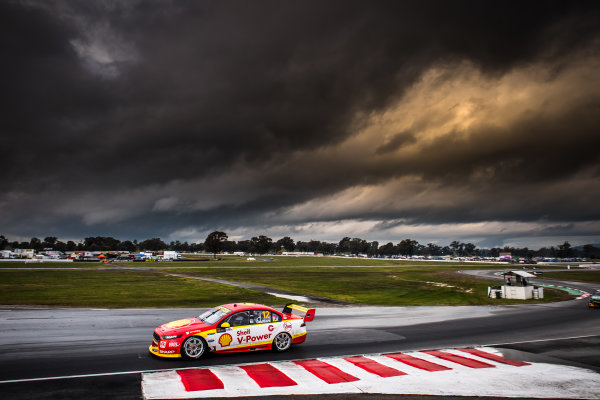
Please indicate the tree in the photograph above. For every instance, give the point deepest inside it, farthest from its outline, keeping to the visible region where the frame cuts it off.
(470, 249)
(50, 240)
(214, 242)
(127, 246)
(244, 246)
(590, 251)
(565, 250)
(358, 246)
(101, 243)
(35, 243)
(229, 246)
(199, 247)
(261, 244)
(433, 249)
(387, 249)
(344, 245)
(408, 247)
(154, 244)
(373, 247)
(286, 243)
(458, 248)
(314, 246)
(327, 248)
(60, 246)
(3, 243)
(302, 246)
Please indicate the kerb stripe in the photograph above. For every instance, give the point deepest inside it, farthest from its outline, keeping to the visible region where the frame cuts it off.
(494, 357)
(266, 375)
(326, 372)
(467, 362)
(417, 362)
(374, 367)
(199, 379)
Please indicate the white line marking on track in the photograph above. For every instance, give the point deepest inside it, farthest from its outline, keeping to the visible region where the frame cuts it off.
(541, 340)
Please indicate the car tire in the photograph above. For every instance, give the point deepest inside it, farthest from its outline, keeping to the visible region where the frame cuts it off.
(193, 348)
(282, 342)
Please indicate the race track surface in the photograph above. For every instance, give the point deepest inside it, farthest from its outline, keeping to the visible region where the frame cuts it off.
(94, 353)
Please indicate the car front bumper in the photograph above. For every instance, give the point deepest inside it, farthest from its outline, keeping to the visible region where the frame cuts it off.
(164, 348)
(165, 353)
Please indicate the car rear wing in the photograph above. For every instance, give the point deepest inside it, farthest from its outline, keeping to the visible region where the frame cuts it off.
(309, 313)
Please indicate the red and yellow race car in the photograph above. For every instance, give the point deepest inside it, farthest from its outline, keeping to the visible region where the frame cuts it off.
(232, 328)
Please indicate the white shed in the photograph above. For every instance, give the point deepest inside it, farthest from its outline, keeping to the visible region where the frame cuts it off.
(517, 286)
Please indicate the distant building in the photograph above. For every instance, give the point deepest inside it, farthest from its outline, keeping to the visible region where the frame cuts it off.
(170, 255)
(24, 253)
(6, 254)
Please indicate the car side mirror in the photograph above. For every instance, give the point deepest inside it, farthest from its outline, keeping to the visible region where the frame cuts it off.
(223, 327)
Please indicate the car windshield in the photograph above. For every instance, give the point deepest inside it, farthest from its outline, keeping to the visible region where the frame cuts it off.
(213, 315)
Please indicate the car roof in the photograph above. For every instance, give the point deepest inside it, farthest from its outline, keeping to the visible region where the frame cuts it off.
(246, 306)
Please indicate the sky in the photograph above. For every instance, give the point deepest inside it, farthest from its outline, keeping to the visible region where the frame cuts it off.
(476, 121)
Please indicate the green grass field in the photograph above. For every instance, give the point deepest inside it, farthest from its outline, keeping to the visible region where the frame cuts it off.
(412, 285)
(592, 276)
(117, 289)
(287, 261)
(39, 265)
(361, 281)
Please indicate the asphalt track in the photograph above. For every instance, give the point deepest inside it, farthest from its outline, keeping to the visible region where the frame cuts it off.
(92, 353)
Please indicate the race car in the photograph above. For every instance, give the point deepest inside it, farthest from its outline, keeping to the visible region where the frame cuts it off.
(232, 327)
(594, 301)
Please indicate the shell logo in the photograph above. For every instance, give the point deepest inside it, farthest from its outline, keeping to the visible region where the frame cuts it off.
(225, 340)
(179, 323)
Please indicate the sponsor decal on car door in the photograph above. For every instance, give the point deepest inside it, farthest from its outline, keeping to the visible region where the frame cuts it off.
(256, 328)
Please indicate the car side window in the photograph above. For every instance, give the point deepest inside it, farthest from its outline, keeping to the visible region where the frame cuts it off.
(261, 316)
(239, 319)
(275, 317)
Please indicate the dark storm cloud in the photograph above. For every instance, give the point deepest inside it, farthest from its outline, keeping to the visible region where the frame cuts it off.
(155, 116)
(396, 142)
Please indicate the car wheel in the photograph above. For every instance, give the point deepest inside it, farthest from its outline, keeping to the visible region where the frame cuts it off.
(282, 341)
(193, 347)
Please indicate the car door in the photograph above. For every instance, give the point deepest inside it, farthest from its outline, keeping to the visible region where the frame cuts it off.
(264, 324)
(238, 326)
(250, 328)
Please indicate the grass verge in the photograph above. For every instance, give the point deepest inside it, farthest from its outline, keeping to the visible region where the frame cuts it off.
(39, 265)
(591, 276)
(378, 286)
(362, 281)
(286, 261)
(117, 289)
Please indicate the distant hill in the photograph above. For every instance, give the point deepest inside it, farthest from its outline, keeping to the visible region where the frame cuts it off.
(580, 248)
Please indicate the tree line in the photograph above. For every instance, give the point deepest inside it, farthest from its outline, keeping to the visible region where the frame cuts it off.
(218, 242)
